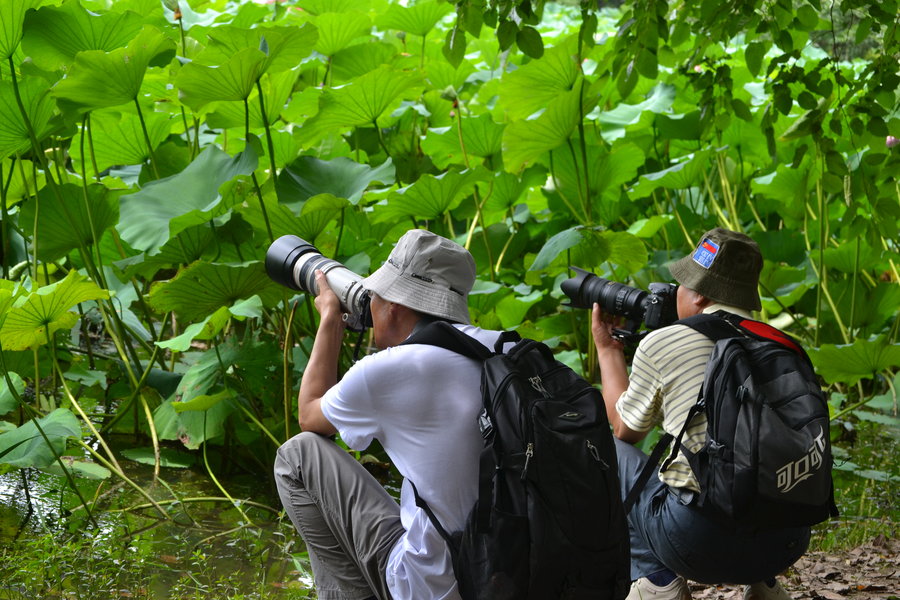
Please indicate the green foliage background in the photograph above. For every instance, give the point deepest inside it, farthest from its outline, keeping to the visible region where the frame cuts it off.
(151, 151)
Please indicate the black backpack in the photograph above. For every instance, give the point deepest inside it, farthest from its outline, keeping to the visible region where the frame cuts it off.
(767, 460)
(549, 521)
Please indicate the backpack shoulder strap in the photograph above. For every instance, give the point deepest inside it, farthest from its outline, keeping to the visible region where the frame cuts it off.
(716, 326)
(444, 335)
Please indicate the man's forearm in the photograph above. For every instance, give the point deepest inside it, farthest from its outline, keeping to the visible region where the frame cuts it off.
(320, 375)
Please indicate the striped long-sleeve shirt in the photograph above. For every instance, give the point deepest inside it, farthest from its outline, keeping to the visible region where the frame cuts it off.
(666, 375)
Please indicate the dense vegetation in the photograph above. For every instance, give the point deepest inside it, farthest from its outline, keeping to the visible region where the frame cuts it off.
(151, 151)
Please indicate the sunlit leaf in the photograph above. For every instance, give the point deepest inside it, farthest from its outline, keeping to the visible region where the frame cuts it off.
(286, 47)
(199, 85)
(524, 141)
(678, 177)
(557, 244)
(339, 30)
(359, 59)
(12, 16)
(360, 102)
(851, 362)
(192, 428)
(202, 330)
(100, 79)
(39, 108)
(308, 176)
(46, 311)
(204, 288)
(79, 468)
(431, 196)
(26, 447)
(65, 221)
(418, 19)
(202, 402)
(150, 217)
(8, 395)
(54, 35)
(532, 87)
(118, 139)
(168, 457)
(277, 90)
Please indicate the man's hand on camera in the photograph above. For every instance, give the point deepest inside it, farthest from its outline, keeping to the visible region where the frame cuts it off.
(603, 327)
(327, 302)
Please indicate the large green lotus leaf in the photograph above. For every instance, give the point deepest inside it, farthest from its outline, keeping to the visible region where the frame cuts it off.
(203, 330)
(101, 79)
(506, 189)
(285, 221)
(308, 176)
(168, 457)
(26, 447)
(418, 19)
(79, 468)
(55, 34)
(321, 7)
(525, 141)
(615, 121)
(198, 85)
(151, 216)
(339, 30)
(608, 169)
(202, 402)
(192, 428)
(284, 47)
(203, 288)
(588, 248)
(63, 220)
(852, 256)
(118, 139)
(359, 59)
(277, 89)
(8, 402)
(38, 106)
(513, 308)
(12, 17)
(431, 196)
(360, 102)
(46, 311)
(851, 362)
(22, 178)
(481, 136)
(679, 177)
(533, 86)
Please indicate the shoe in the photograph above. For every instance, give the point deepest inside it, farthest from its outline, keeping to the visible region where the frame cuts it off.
(761, 591)
(642, 589)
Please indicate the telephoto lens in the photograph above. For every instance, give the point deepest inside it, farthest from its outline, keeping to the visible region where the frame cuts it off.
(656, 308)
(293, 262)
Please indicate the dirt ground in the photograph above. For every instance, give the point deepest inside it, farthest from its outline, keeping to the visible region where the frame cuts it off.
(869, 572)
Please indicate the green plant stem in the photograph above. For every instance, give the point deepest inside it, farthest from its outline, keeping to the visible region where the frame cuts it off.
(121, 475)
(270, 145)
(287, 384)
(218, 484)
(198, 499)
(135, 390)
(140, 114)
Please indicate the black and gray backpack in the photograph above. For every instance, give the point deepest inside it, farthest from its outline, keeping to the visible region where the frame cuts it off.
(767, 460)
(548, 522)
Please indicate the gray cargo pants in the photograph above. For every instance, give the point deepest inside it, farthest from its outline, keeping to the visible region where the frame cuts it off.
(347, 519)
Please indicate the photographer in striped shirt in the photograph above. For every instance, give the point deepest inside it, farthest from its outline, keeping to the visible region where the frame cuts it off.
(671, 541)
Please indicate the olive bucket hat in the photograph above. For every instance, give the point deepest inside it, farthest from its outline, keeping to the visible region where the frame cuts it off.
(724, 267)
(427, 273)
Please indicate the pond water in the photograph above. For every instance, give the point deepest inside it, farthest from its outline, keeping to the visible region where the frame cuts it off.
(50, 547)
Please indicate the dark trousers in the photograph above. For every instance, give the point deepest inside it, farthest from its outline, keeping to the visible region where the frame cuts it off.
(667, 534)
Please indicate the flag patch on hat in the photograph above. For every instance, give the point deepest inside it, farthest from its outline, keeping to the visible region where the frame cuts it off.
(706, 253)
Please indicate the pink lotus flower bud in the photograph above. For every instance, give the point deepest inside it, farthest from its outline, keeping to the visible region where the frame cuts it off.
(891, 141)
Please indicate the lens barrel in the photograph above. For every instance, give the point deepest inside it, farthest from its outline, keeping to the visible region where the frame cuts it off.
(293, 262)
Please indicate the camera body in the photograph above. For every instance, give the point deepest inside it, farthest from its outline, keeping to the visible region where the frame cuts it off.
(293, 262)
(654, 308)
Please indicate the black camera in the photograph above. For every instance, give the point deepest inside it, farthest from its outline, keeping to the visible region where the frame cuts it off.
(655, 308)
(292, 262)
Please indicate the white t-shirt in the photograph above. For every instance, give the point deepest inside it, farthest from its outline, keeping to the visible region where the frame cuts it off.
(421, 402)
